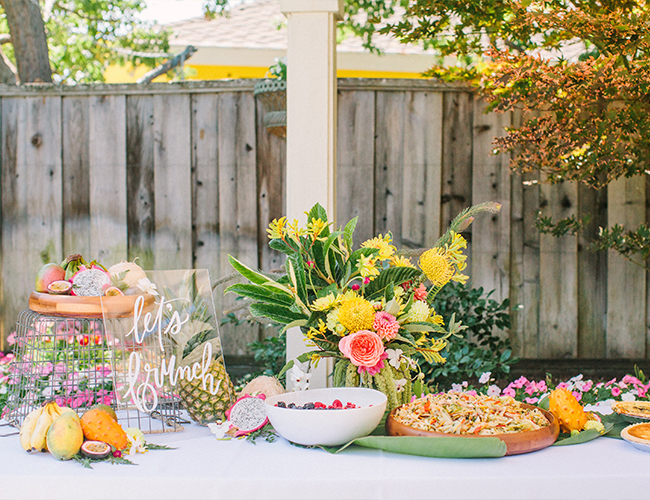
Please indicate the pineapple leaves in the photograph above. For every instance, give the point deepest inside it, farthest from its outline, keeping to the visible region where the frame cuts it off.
(247, 272)
(277, 314)
(262, 293)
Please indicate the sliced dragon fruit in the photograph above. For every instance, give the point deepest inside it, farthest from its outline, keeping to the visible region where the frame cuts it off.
(248, 414)
(90, 281)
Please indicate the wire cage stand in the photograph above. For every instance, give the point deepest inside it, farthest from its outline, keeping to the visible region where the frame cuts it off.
(80, 362)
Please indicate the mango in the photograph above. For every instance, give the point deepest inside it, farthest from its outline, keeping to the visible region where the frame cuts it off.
(65, 436)
(47, 274)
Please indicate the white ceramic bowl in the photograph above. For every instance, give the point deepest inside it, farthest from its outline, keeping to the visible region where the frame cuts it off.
(327, 427)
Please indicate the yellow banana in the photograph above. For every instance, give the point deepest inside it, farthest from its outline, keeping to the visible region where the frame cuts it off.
(27, 429)
(55, 409)
(39, 435)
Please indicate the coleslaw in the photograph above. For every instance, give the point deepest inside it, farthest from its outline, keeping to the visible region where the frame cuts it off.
(460, 413)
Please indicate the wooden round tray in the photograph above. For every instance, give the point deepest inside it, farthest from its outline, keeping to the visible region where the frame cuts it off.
(516, 443)
(85, 307)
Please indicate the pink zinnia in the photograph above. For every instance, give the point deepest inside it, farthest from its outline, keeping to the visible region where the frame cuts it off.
(386, 325)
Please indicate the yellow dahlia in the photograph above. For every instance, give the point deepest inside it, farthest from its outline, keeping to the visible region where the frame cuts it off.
(381, 243)
(356, 314)
(419, 312)
(436, 266)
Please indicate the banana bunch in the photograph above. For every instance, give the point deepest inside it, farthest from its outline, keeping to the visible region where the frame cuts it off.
(33, 432)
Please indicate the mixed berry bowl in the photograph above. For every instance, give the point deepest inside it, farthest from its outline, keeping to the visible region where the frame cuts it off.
(328, 417)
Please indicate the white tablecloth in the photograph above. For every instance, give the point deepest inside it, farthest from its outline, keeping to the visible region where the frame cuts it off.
(203, 468)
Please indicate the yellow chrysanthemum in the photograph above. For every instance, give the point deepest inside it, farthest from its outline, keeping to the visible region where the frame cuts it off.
(356, 314)
(436, 266)
(381, 243)
(366, 266)
(419, 312)
(277, 228)
(325, 303)
(398, 261)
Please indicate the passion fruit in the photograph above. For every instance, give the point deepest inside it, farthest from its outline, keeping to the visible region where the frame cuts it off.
(113, 291)
(95, 449)
(59, 287)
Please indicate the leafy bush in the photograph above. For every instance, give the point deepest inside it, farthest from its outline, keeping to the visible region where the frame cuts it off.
(270, 354)
(478, 349)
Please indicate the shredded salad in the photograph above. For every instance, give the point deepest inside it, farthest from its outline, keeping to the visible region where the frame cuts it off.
(460, 413)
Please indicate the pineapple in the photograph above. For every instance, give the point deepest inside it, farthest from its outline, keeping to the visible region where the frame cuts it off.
(202, 406)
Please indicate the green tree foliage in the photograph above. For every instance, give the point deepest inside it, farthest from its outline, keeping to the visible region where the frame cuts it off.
(85, 36)
(578, 70)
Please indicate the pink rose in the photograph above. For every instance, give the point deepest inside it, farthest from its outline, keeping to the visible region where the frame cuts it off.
(362, 348)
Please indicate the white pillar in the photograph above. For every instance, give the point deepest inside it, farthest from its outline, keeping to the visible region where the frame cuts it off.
(311, 124)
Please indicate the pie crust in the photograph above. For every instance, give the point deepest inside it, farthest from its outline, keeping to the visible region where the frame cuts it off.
(637, 433)
(638, 409)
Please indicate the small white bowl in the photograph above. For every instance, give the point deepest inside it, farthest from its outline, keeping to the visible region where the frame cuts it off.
(327, 427)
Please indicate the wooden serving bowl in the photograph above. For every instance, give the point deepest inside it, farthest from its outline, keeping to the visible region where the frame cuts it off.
(120, 306)
(516, 442)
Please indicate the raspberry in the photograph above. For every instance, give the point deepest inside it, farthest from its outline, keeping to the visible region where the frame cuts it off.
(336, 404)
(318, 404)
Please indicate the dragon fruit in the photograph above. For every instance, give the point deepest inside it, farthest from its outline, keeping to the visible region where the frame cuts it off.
(90, 281)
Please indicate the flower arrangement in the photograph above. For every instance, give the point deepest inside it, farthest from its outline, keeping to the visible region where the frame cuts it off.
(369, 308)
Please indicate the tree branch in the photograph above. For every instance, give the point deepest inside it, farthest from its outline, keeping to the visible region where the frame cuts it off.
(166, 66)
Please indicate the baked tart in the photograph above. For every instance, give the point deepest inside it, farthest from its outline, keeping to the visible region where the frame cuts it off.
(633, 411)
(638, 435)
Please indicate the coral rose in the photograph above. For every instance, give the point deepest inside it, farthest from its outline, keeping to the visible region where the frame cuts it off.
(363, 348)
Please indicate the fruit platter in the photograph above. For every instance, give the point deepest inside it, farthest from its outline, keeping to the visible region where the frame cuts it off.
(78, 288)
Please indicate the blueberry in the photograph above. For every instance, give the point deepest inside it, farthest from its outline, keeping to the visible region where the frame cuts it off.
(281, 404)
(309, 406)
(291, 405)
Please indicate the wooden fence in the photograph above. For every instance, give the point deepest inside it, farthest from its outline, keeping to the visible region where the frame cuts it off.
(182, 175)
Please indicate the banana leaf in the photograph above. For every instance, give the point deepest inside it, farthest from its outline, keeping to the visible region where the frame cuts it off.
(437, 447)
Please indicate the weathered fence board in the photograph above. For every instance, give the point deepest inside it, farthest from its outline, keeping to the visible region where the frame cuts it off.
(626, 314)
(183, 175)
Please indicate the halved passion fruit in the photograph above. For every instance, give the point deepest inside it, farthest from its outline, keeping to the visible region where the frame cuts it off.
(113, 291)
(59, 287)
(95, 449)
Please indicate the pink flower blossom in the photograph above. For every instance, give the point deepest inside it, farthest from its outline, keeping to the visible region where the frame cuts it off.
(366, 280)
(420, 293)
(642, 390)
(562, 385)
(622, 385)
(386, 325)
(520, 382)
(530, 388)
(373, 370)
(355, 287)
(531, 401)
(607, 384)
(11, 339)
(616, 391)
(509, 391)
(586, 387)
(471, 393)
(577, 395)
(629, 379)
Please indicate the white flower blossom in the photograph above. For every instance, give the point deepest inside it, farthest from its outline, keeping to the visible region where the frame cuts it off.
(394, 357)
(147, 286)
(485, 377)
(400, 383)
(493, 391)
(628, 396)
(219, 430)
(300, 375)
(457, 387)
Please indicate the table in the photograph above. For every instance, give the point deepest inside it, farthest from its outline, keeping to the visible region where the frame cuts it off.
(203, 468)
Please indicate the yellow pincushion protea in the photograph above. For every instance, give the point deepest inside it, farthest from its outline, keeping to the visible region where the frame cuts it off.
(436, 266)
(356, 314)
